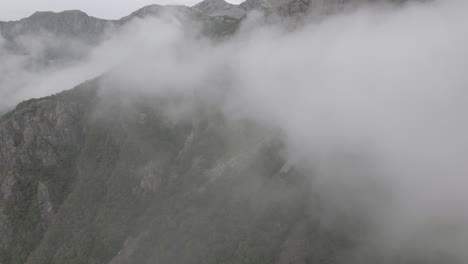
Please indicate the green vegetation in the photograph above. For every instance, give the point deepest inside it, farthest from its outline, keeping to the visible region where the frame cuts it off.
(137, 190)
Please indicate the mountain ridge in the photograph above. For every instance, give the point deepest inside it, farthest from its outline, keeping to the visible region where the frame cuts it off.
(221, 4)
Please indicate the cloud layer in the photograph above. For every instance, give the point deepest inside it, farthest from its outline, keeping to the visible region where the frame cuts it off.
(374, 101)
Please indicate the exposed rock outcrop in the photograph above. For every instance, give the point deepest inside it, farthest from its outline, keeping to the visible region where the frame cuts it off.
(84, 175)
(220, 8)
(71, 24)
(39, 143)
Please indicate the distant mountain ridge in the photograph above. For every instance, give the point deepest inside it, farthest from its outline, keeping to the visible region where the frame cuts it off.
(71, 23)
(50, 40)
(218, 18)
(211, 8)
(79, 25)
(220, 8)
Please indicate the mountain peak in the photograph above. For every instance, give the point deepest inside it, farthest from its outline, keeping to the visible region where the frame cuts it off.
(147, 9)
(156, 10)
(282, 7)
(69, 23)
(66, 13)
(219, 8)
(211, 2)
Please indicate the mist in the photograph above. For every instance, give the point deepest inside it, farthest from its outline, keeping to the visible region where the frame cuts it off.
(41, 64)
(372, 100)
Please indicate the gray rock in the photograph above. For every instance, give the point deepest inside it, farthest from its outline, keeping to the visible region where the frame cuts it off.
(220, 8)
(72, 24)
(281, 7)
(45, 204)
(39, 141)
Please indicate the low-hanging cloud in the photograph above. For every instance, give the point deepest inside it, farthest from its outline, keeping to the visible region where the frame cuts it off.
(35, 65)
(384, 85)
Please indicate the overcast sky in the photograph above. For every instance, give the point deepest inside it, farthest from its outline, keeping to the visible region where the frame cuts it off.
(16, 9)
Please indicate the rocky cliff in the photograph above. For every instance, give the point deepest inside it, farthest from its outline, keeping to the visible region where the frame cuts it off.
(87, 177)
(107, 176)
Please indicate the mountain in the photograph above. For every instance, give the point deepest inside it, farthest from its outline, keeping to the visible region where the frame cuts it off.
(77, 24)
(59, 38)
(47, 42)
(104, 176)
(217, 17)
(189, 17)
(94, 175)
(87, 180)
(72, 24)
(66, 37)
(282, 7)
(220, 8)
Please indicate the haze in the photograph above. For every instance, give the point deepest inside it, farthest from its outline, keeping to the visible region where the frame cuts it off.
(385, 85)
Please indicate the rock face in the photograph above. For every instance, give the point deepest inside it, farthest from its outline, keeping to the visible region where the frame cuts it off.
(281, 7)
(191, 18)
(96, 176)
(49, 39)
(72, 24)
(220, 8)
(288, 8)
(78, 25)
(45, 204)
(39, 144)
(90, 177)
(182, 13)
(47, 42)
(65, 37)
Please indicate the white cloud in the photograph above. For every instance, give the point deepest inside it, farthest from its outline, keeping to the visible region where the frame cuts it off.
(386, 86)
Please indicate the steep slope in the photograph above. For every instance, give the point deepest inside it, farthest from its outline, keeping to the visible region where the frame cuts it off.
(39, 141)
(282, 7)
(288, 8)
(78, 25)
(47, 43)
(188, 17)
(48, 39)
(102, 180)
(107, 176)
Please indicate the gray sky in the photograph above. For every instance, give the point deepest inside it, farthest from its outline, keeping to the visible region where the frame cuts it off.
(16, 9)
